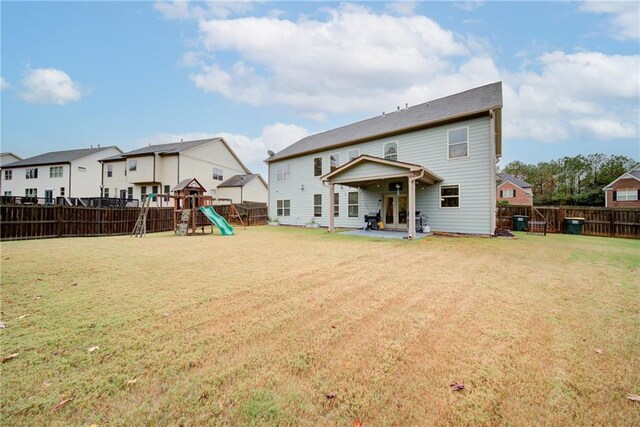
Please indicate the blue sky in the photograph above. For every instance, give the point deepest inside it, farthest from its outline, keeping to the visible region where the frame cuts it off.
(266, 74)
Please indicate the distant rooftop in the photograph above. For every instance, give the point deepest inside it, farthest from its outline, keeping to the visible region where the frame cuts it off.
(56, 157)
(239, 180)
(505, 177)
(174, 147)
(470, 102)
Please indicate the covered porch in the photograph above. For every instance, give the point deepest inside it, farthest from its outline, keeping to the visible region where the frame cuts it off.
(397, 201)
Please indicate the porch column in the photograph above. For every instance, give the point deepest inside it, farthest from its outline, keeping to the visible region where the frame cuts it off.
(412, 208)
(331, 207)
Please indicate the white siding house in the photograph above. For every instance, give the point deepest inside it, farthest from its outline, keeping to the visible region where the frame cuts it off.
(438, 158)
(159, 168)
(71, 173)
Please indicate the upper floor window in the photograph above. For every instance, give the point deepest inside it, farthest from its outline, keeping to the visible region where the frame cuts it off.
(509, 193)
(109, 171)
(334, 161)
(283, 172)
(317, 166)
(390, 151)
(31, 173)
(55, 172)
(133, 165)
(352, 154)
(8, 175)
(449, 196)
(217, 174)
(626, 195)
(458, 142)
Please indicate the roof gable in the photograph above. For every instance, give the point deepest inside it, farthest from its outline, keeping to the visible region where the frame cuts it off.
(369, 168)
(458, 106)
(633, 173)
(505, 177)
(191, 183)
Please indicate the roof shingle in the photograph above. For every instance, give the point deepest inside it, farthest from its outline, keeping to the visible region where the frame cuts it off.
(56, 157)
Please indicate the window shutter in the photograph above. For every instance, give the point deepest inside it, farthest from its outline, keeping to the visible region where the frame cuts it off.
(639, 194)
(514, 192)
(615, 194)
(500, 193)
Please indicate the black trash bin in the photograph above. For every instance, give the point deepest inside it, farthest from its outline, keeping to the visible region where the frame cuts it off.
(573, 225)
(520, 223)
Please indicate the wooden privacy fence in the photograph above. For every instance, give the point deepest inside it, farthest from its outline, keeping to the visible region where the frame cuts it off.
(19, 222)
(610, 222)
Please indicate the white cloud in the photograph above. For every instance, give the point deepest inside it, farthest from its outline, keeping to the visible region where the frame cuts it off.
(624, 16)
(252, 151)
(402, 8)
(586, 94)
(50, 86)
(357, 61)
(468, 5)
(3, 83)
(186, 10)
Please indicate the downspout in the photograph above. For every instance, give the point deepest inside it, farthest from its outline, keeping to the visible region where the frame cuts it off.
(70, 169)
(241, 188)
(492, 165)
(178, 181)
(101, 178)
(154, 167)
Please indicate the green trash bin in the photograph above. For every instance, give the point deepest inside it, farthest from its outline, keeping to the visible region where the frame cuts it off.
(573, 225)
(520, 223)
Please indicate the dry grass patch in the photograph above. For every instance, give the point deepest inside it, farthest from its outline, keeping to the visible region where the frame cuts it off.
(259, 327)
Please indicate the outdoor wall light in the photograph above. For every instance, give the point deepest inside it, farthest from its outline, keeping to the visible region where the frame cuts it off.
(302, 187)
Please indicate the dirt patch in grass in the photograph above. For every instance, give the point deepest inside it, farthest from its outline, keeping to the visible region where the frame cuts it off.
(258, 328)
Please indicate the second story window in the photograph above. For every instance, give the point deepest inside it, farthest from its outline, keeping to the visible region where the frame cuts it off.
(458, 141)
(133, 165)
(31, 173)
(109, 171)
(8, 175)
(217, 174)
(335, 161)
(317, 166)
(283, 172)
(390, 150)
(55, 172)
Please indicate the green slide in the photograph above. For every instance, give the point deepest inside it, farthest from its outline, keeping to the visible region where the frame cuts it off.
(217, 220)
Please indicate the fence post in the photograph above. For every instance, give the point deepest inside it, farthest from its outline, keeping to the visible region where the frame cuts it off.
(59, 218)
(612, 223)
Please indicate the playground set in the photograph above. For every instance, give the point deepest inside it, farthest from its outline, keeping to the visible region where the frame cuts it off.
(188, 198)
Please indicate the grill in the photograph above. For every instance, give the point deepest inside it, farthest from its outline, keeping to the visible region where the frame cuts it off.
(371, 220)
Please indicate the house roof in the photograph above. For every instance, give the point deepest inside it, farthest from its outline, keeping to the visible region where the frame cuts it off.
(505, 177)
(474, 101)
(238, 180)
(172, 148)
(56, 157)
(415, 170)
(634, 172)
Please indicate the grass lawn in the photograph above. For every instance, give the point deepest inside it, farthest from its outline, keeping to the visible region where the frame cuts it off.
(257, 328)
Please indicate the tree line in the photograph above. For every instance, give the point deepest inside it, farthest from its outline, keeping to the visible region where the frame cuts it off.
(574, 180)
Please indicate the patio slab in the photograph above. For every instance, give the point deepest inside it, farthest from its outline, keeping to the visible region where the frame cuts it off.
(386, 234)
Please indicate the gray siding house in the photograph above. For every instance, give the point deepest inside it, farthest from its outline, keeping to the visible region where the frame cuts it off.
(437, 158)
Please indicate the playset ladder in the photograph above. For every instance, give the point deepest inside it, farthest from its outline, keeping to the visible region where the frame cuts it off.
(140, 229)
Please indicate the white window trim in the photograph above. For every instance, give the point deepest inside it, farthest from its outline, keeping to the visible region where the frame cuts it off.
(449, 145)
(8, 174)
(336, 205)
(282, 165)
(109, 171)
(283, 208)
(357, 150)
(353, 204)
(314, 166)
(129, 163)
(504, 193)
(57, 168)
(459, 196)
(384, 150)
(626, 192)
(315, 206)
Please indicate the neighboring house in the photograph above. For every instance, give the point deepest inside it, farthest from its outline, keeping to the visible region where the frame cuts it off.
(244, 188)
(514, 190)
(624, 192)
(159, 168)
(437, 158)
(70, 173)
(6, 158)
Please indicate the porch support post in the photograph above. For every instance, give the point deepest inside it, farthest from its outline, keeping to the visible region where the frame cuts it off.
(412, 208)
(331, 207)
